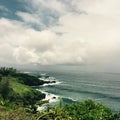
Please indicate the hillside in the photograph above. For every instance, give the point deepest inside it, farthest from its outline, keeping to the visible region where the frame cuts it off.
(14, 87)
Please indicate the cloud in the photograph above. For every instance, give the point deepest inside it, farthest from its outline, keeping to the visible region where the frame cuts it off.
(98, 29)
(25, 56)
(89, 33)
(44, 12)
(54, 5)
(24, 43)
(101, 7)
(27, 45)
(5, 53)
(28, 18)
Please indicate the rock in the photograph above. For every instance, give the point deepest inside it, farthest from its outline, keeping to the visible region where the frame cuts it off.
(54, 97)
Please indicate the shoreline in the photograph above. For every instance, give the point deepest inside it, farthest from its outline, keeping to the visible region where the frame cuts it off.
(51, 98)
(48, 81)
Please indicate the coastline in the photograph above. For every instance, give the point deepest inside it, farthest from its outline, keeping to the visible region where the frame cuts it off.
(49, 106)
(52, 98)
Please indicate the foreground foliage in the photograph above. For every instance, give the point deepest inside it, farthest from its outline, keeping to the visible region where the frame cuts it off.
(87, 110)
(16, 114)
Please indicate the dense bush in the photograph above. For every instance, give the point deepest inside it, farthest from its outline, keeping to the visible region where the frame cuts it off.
(31, 97)
(28, 79)
(23, 78)
(5, 89)
(87, 110)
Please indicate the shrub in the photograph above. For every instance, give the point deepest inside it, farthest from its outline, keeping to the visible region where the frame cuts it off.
(87, 110)
(5, 88)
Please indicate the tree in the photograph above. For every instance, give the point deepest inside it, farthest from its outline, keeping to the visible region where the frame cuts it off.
(0, 77)
(4, 88)
(7, 71)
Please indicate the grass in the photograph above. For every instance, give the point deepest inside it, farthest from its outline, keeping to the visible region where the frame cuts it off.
(18, 87)
(17, 114)
(14, 91)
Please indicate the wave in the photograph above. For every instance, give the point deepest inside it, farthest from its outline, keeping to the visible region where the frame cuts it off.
(50, 84)
(52, 98)
(97, 94)
(49, 96)
(49, 79)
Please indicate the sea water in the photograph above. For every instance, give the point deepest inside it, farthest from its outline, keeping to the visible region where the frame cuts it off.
(101, 87)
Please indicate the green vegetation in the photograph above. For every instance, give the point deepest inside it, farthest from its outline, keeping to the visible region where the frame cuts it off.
(7, 71)
(17, 114)
(14, 90)
(87, 110)
(18, 101)
(22, 77)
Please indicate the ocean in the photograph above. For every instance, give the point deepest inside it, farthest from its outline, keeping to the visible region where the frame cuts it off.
(102, 87)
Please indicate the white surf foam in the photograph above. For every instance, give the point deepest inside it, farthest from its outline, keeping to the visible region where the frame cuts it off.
(50, 97)
(56, 83)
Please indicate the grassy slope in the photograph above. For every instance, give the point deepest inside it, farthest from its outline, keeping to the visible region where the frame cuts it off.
(10, 111)
(19, 93)
(18, 87)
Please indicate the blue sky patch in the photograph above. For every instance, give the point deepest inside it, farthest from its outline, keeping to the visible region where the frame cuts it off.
(12, 6)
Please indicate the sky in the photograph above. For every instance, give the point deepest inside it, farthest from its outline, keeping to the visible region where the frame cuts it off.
(60, 32)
